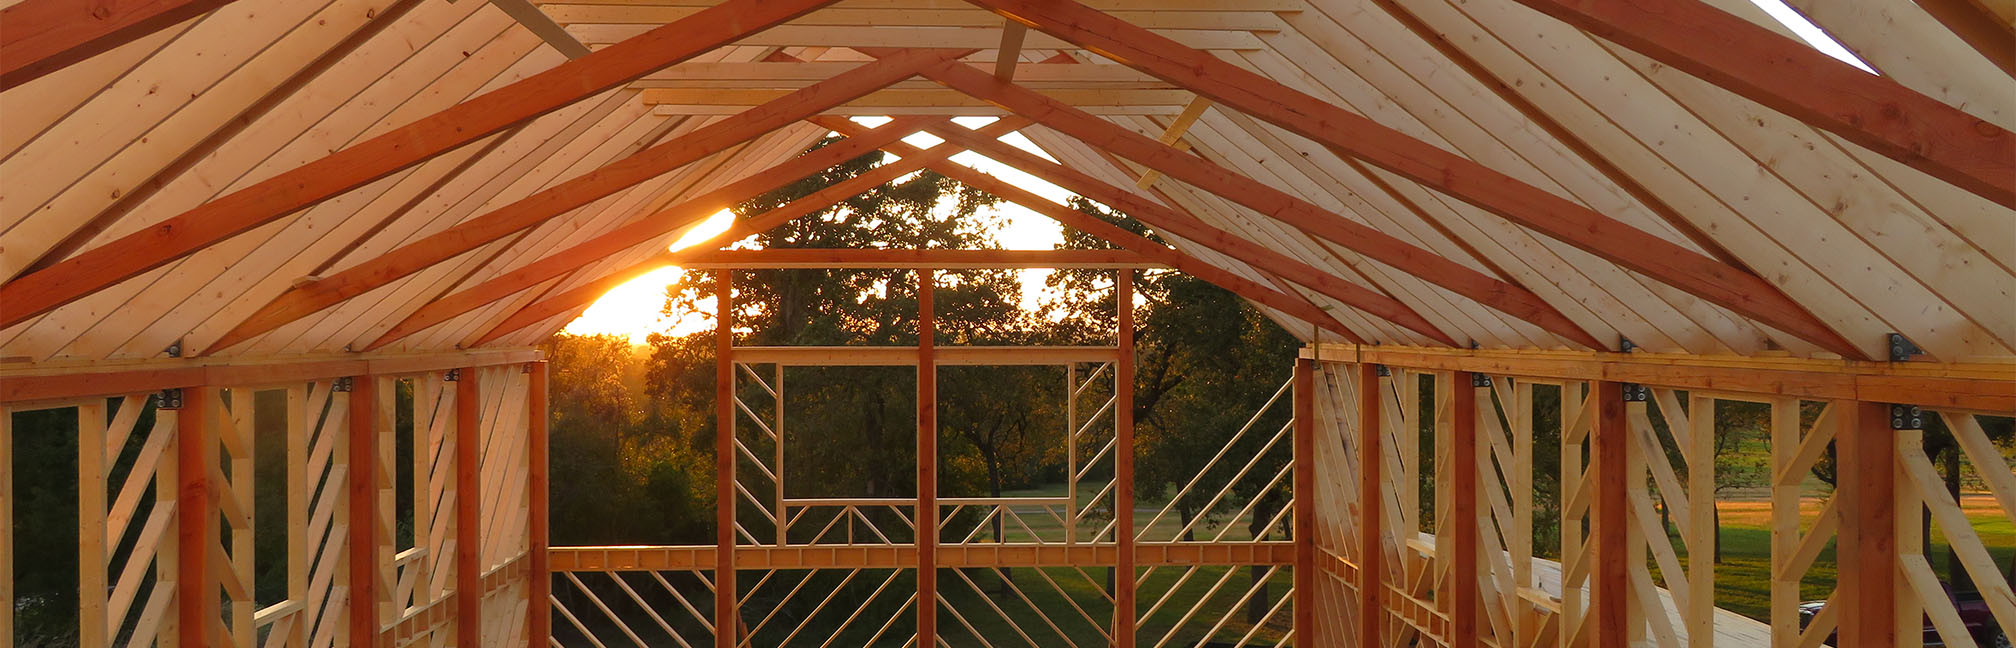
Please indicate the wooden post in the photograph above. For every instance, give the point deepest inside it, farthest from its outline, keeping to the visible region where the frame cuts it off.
(724, 463)
(1371, 504)
(1305, 501)
(1463, 477)
(468, 511)
(1609, 571)
(1123, 462)
(364, 557)
(196, 520)
(539, 613)
(927, 465)
(92, 554)
(1866, 550)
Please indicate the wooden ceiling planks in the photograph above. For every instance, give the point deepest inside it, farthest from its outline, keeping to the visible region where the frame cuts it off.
(1868, 244)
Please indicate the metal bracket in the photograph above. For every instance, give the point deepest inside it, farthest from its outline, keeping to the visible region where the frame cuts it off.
(341, 386)
(1382, 371)
(174, 350)
(1480, 380)
(1906, 417)
(1636, 393)
(169, 399)
(1902, 348)
(1625, 345)
(452, 375)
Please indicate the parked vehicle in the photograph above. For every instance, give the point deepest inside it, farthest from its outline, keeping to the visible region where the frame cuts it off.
(1973, 611)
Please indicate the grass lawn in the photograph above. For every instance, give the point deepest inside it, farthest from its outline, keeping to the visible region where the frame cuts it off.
(1743, 578)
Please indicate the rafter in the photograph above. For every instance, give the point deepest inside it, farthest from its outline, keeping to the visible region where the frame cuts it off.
(1356, 136)
(282, 194)
(529, 15)
(536, 208)
(1193, 229)
(42, 36)
(686, 213)
(1798, 80)
(1503, 296)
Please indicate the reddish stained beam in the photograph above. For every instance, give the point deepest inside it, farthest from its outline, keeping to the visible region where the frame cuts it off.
(587, 293)
(38, 37)
(1293, 306)
(538, 480)
(937, 259)
(686, 213)
(1191, 228)
(1793, 78)
(927, 463)
(195, 518)
(1866, 454)
(306, 185)
(581, 190)
(1356, 136)
(468, 512)
(1464, 470)
(726, 619)
(1123, 462)
(1506, 297)
(1609, 511)
(1371, 505)
(363, 513)
(1304, 623)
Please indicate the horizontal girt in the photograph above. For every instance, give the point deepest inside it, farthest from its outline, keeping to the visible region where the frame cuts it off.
(813, 258)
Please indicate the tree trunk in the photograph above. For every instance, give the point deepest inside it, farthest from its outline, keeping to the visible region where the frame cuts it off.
(994, 487)
(1718, 535)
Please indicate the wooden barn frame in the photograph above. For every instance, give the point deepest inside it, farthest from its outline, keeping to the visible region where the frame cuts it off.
(343, 214)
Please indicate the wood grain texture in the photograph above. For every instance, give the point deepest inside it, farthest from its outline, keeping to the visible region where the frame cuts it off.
(1793, 78)
(1507, 298)
(38, 37)
(312, 183)
(1358, 137)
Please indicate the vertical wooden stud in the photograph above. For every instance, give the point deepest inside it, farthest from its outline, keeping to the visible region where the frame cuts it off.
(243, 453)
(1700, 615)
(300, 549)
(724, 463)
(1123, 462)
(363, 501)
(1305, 500)
(538, 481)
(1463, 545)
(1785, 495)
(91, 550)
(1866, 456)
(1371, 492)
(468, 515)
(927, 464)
(1609, 571)
(196, 520)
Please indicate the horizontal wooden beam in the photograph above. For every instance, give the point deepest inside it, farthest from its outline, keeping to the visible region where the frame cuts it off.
(42, 36)
(1794, 78)
(672, 110)
(917, 97)
(263, 202)
(911, 37)
(786, 74)
(1356, 136)
(1207, 6)
(879, 356)
(36, 384)
(1973, 387)
(914, 259)
(1232, 19)
(1147, 554)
